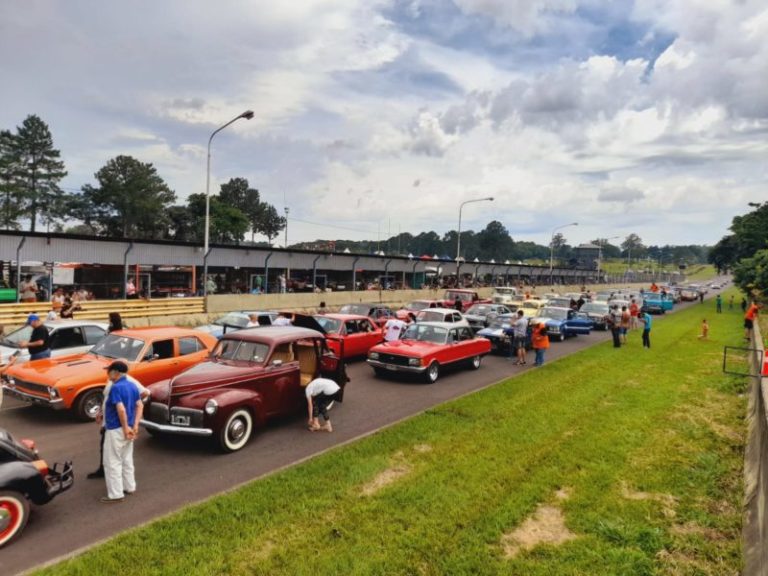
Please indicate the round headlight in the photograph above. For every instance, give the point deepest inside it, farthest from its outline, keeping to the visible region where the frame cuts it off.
(211, 406)
(373, 355)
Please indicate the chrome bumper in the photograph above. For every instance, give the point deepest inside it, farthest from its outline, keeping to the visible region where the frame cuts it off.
(170, 429)
(57, 404)
(396, 367)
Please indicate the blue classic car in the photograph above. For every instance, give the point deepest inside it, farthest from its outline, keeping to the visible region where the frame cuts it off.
(657, 303)
(563, 322)
(497, 333)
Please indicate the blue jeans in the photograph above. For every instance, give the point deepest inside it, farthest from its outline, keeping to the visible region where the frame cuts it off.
(38, 355)
(539, 357)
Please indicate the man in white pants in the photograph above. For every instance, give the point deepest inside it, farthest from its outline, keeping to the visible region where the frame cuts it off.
(122, 414)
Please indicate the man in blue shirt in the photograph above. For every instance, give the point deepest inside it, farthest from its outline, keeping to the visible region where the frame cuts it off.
(645, 318)
(122, 413)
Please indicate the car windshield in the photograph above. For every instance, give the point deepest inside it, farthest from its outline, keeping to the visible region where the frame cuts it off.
(430, 316)
(238, 320)
(422, 333)
(417, 305)
(123, 347)
(480, 309)
(531, 305)
(330, 325)
(506, 291)
(12, 340)
(595, 307)
(241, 350)
(451, 295)
(360, 309)
(502, 322)
(554, 313)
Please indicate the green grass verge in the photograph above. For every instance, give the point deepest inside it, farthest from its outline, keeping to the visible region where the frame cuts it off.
(648, 444)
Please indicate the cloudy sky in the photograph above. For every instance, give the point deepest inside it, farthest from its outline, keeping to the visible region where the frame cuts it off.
(379, 116)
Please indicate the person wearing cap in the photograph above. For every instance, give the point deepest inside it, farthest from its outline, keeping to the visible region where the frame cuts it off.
(38, 343)
(122, 413)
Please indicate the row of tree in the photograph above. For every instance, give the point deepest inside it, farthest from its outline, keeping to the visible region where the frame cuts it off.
(745, 250)
(129, 199)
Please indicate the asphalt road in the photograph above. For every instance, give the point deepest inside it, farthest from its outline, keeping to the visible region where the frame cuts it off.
(174, 472)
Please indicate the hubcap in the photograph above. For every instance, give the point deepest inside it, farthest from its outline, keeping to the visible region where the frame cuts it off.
(5, 519)
(93, 405)
(236, 430)
(9, 518)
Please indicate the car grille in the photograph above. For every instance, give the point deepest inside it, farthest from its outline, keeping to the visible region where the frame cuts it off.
(194, 417)
(392, 359)
(157, 413)
(31, 387)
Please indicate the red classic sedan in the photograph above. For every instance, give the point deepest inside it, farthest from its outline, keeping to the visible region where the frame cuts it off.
(426, 347)
(349, 335)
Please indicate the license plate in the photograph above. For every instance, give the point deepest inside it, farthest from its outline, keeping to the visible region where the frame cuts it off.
(390, 367)
(180, 420)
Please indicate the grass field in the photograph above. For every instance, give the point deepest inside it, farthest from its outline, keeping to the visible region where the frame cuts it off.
(624, 462)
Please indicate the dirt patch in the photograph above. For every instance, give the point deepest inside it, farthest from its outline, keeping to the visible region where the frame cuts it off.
(693, 529)
(667, 501)
(385, 478)
(545, 526)
(422, 448)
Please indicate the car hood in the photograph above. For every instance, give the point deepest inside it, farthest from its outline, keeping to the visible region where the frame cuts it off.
(212, 374)
(62, 370)
(412, 348)
(495, 332)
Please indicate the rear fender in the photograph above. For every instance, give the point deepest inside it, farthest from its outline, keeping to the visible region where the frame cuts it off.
(23, 477)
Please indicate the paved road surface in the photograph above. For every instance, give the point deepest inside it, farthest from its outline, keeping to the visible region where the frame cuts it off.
(174, 472)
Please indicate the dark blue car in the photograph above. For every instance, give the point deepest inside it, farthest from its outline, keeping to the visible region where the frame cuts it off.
(563, 322)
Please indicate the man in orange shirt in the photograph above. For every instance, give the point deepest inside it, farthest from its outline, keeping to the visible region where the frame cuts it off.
(749, 319)
(540, 342)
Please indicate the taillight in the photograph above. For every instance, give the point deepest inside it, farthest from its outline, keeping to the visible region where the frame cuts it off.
(41, 466)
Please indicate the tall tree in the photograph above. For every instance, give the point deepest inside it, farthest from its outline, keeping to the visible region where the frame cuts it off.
(39, 171)
(633, 246)
(131, 199)
(239, 194)
(10, 209)
(228, 224)
(495, 242)
(269, 222)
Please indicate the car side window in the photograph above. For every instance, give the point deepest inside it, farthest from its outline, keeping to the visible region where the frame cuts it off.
(456, 318)
(351, 326)
(265, 320)
(93, 334)
(453, 336)
(189, 345)
(67, 338)
(162, 349)
(465, 334)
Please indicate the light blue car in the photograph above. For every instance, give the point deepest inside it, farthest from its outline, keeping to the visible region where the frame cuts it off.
(657, 304)
(232, 321)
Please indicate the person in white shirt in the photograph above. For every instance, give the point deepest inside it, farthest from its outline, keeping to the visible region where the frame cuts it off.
(282, 320)
(393, 329)
(253, 321)
(321, 393)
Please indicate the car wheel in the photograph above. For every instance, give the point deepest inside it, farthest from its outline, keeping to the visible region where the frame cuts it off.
(14, 513)
(236, 431)
(432, 373)
(474, 362)
(561, 337)
(88, 404)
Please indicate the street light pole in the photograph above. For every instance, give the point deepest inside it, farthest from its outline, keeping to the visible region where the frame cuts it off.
(248, 114)
(552, 248)
(458, 238)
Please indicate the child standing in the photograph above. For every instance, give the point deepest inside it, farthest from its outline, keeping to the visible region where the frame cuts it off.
(704, 330)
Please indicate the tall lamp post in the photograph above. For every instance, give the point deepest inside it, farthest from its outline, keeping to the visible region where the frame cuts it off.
(600, 243)
(458, 238)
(552, 248)
(248, 114)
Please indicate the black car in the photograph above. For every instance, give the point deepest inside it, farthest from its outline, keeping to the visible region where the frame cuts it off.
(24, 477)
(598, 313)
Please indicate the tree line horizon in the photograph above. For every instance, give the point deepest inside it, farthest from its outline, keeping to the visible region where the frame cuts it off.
(131, 200)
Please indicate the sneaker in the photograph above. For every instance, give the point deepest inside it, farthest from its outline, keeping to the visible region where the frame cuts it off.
(129, 492)
(108, 500)
(96, 474)
(327, 427)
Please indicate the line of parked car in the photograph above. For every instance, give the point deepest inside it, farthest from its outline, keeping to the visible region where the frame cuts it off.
(224, 380)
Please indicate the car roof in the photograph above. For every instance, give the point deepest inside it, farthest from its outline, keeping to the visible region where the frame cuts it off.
(272, 334)
(557, 308)
(439, 310)
(446, 325)
(158, 331)
(71, 322)
(339, 316)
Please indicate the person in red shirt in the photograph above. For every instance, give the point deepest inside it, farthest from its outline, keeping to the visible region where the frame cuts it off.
(540, 343)
(634, 310)
(654, 288)
(749, 319)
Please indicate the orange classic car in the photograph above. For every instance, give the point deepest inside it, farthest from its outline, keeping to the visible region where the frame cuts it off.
(77, 381)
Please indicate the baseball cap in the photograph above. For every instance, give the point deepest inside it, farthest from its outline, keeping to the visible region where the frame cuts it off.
(32, 318)
(118, 366)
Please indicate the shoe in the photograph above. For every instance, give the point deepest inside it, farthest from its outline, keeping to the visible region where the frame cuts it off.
(129, 492)
(313, 428)
(96, 474)
(327, 427)
(108, 500)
